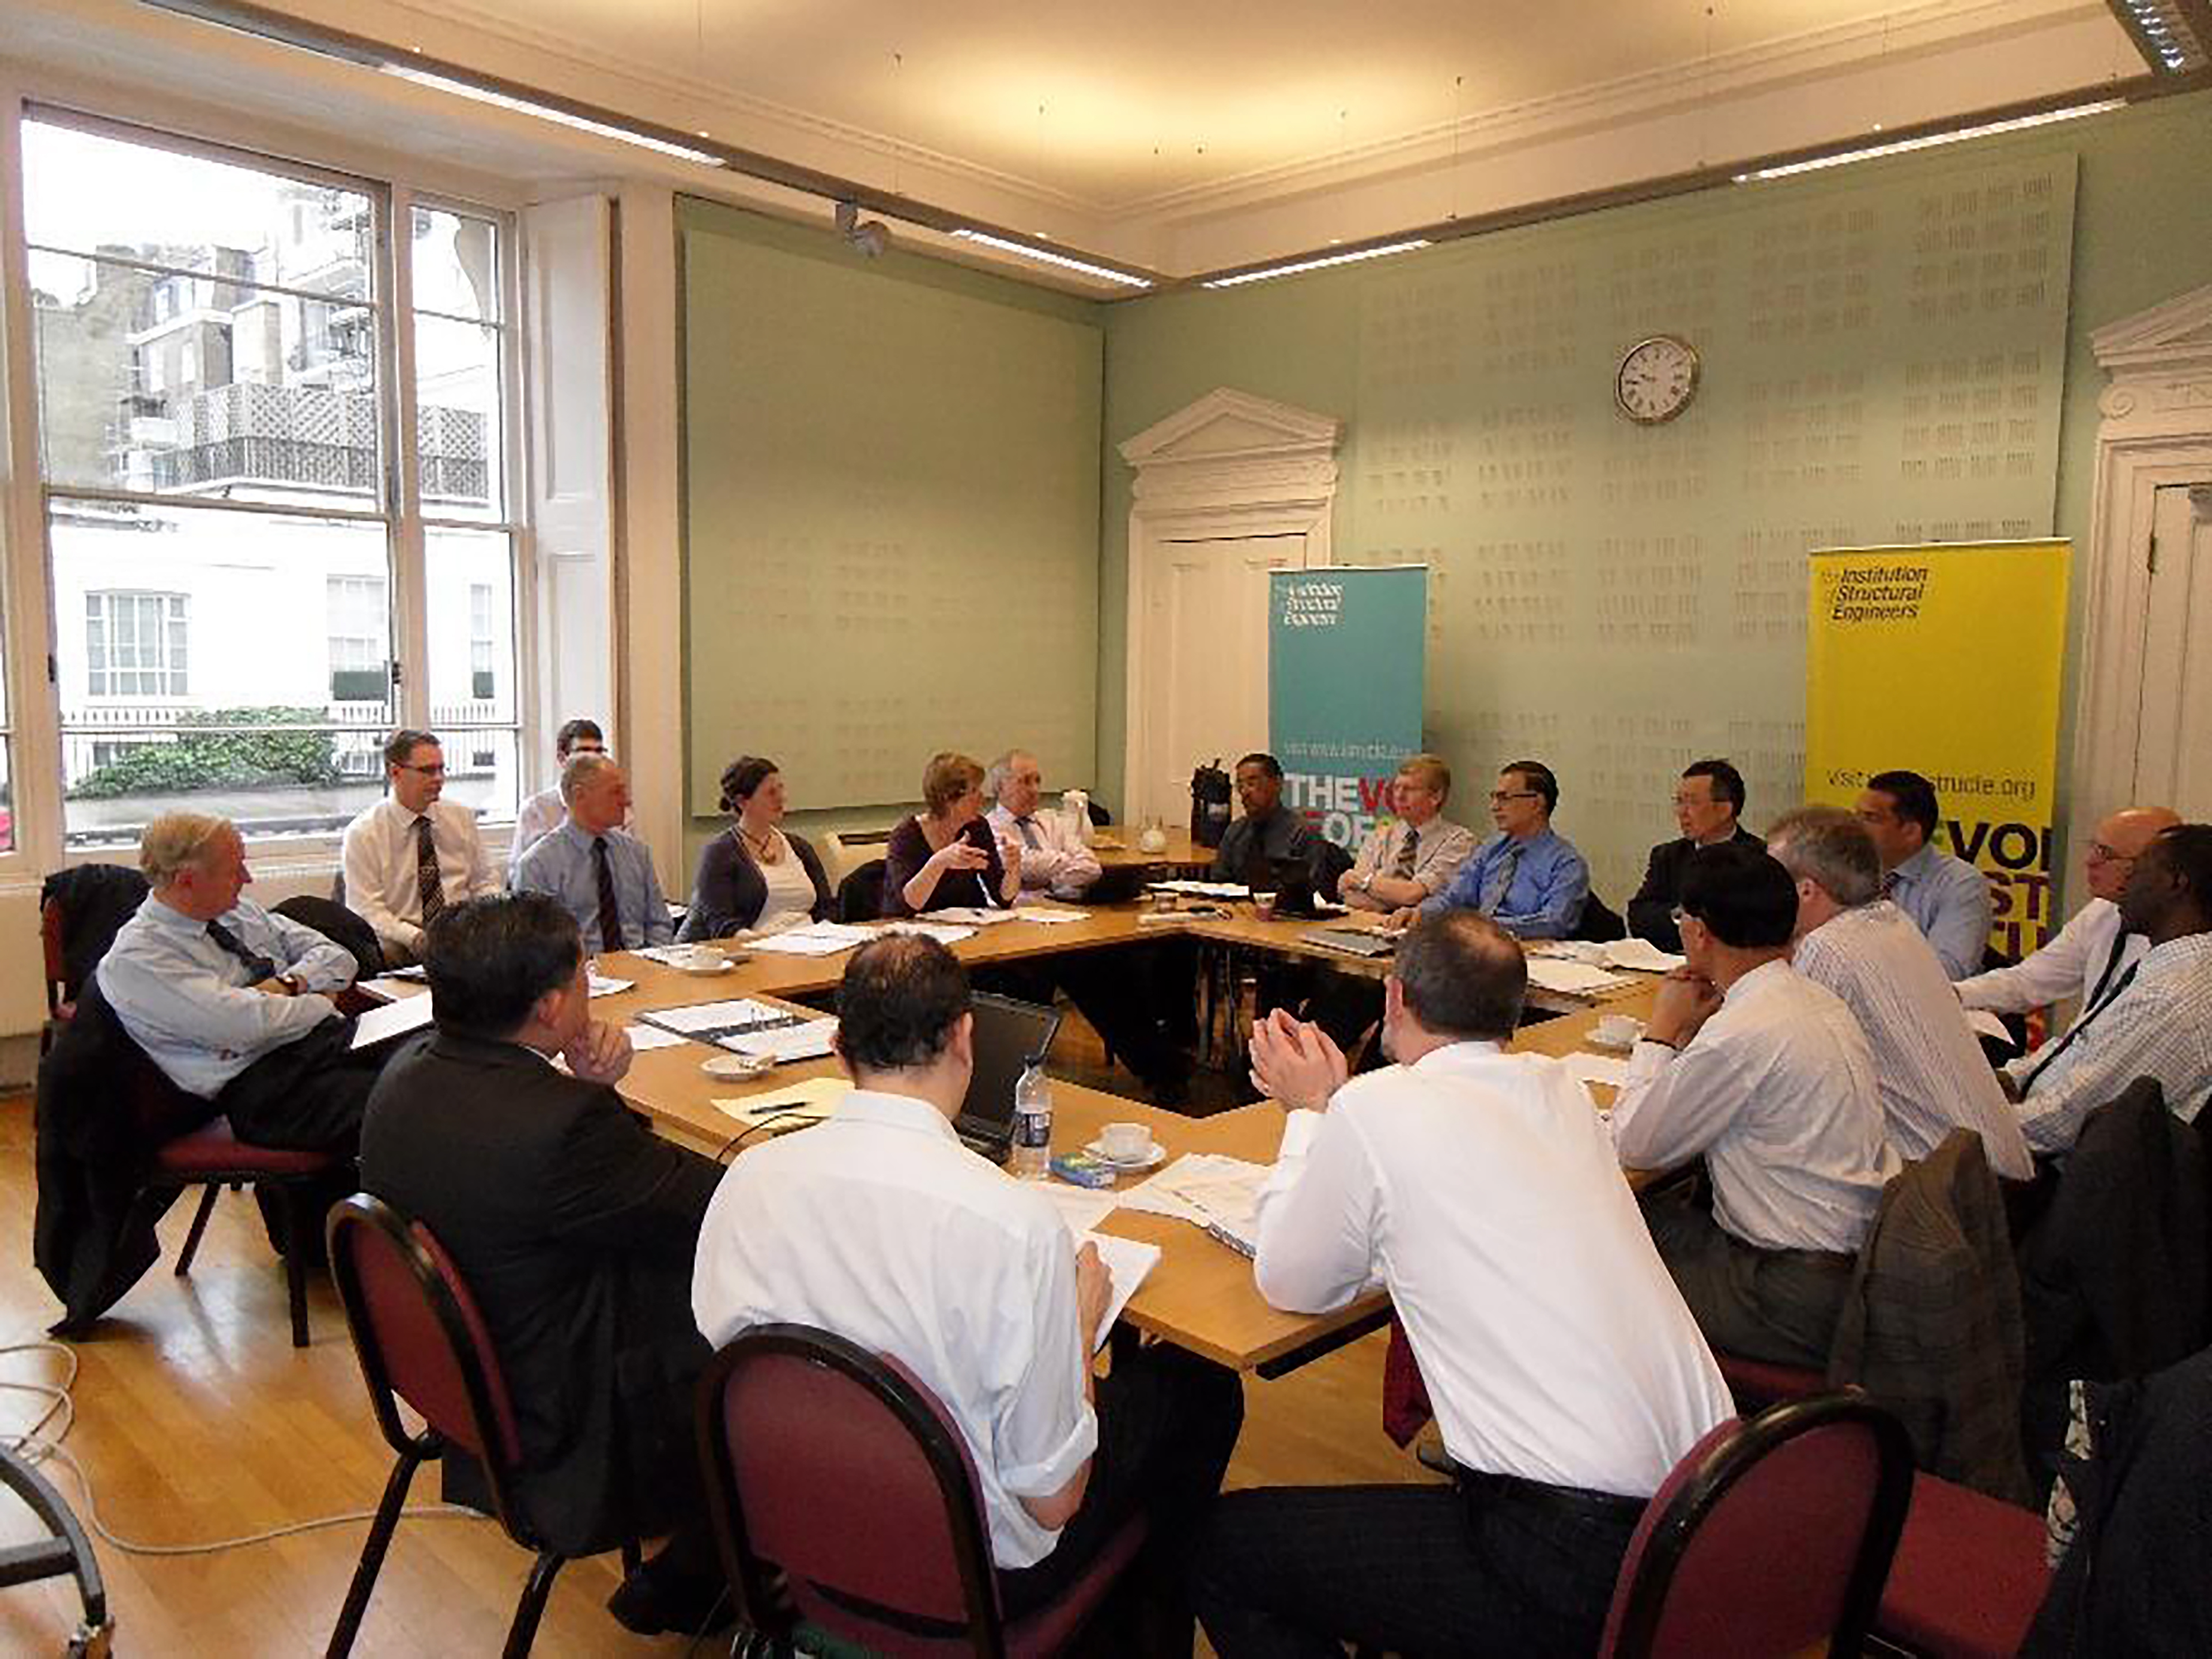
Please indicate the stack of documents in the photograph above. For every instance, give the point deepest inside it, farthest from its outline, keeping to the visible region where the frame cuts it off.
(936, 930)
(972, 916)
(747, 1027)
(821, 938)
(1643, 956)
(1573, 979)
(1214, 890)
(1210, 1190)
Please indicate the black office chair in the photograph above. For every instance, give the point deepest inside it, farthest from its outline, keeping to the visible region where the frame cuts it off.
(860, 895)
(1600, 923)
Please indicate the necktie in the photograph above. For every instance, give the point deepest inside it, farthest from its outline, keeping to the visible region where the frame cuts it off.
(2107, 997)
(1497, 880)
(1889, 883)
(611, 927)
(1403, 868)
(1028, 827)
(257, 967)
(427, 883)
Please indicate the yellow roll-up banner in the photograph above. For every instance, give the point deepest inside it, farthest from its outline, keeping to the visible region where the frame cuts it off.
(1947, 660)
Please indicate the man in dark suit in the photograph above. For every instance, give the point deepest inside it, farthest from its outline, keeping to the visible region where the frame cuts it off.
(1707, 803)
(574, 1226)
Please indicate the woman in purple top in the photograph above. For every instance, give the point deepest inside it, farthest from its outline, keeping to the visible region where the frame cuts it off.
(945, 856)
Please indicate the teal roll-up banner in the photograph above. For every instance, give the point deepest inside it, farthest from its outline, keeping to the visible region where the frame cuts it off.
(1343, 688)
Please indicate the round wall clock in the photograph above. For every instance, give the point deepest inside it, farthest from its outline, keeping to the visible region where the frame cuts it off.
(1656, 380)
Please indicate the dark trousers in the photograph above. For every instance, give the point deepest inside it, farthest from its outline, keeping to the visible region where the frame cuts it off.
(1346, 1006)
(1167, 1423)
(1780, 1306)
(1494, 1566)
(1119, 993)
(306, 1095)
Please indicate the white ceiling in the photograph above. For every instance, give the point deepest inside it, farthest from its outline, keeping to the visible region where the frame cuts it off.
(1174, 134)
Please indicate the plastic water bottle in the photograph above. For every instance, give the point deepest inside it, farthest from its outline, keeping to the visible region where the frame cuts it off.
(1031, 1158)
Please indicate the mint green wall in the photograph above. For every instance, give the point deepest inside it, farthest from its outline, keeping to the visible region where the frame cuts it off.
(2141, 233)
(891, 514)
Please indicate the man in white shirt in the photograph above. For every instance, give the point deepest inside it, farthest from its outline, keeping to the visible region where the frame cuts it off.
(1933, 1076)
(972, 1280)
(545, 812)
(2091, 950)
(2153, 1019)
(413, 853)
(1765, 1074)
(1566, 1374)
(1116, 991)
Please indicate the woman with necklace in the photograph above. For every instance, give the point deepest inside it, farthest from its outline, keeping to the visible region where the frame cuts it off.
(753, 876)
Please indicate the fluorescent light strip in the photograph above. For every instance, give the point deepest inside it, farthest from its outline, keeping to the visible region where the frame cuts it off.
(1292, 269)
(551, 113)
(1929, 140)
(1007, 245)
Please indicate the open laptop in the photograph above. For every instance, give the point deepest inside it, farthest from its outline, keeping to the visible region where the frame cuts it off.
(1008, 1035)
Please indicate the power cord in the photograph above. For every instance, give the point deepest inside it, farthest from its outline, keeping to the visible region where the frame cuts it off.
(35, 1449)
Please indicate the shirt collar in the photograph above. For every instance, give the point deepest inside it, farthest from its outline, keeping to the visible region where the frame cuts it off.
(891, 1112)
(1916, 867)
(1767, 973)
(577, 836)
(1453, 1056)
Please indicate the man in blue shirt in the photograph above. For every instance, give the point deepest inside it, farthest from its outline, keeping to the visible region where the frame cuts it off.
(1527, 879)
(232, 1003)
(602, 877)
(1947, 896)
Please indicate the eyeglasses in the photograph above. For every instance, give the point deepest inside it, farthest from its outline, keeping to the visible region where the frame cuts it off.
(1499, 797)
(2100, 853)
(437, 771)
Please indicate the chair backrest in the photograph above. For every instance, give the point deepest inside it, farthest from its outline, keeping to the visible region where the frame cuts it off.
(860, 895)
(420, 1338)
(842, 1469)
(50, 940)
(1770, 1536)
(1599, 923)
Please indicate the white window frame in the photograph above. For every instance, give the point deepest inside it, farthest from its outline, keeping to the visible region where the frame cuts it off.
(31, 725)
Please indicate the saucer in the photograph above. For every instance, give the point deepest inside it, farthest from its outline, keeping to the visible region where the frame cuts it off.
(719, 965)
(1606, 1045)
(738, 1068)
(1151, 1157)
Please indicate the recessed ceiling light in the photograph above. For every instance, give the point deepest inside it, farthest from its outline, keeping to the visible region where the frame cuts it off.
(1045, 256)
(1264, 272)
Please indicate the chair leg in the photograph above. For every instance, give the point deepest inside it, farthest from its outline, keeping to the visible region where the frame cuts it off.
(372, 1554)
(531, 1607)
(294, 1220)
(200, 1225)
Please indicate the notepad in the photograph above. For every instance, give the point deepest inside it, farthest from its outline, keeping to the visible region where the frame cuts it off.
(1129, 1262)
(808, 1101)
(1572, 978)
(1643, 956)
(395, 1018)
(821, 938)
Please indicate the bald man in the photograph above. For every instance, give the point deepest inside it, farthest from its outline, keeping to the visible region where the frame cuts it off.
(2091, 950)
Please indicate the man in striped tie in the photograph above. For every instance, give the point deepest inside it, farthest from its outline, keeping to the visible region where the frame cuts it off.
(414, 852)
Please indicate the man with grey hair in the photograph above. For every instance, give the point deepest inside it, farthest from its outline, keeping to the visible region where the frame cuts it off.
(232, 1003)
(601, 875)
(1927, 1064)
(541, 815)
(414, 852)
(1054, 858)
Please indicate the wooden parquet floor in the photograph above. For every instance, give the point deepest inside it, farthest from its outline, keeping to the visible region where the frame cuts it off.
(196, 1420)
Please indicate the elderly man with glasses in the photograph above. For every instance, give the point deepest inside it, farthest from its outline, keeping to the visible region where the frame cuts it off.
(2092, 950)
(413, 853)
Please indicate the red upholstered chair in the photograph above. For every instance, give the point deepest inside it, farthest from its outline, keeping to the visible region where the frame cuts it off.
(420, 1339)
(1769, 1537)
(59, 1008)
(1969, 1575)
(844, 1495)
(1756, 1384)
(211, 1158)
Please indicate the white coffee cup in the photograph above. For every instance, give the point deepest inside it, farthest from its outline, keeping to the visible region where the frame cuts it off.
(1619, 1031)
(1125, 1142)
(1263, 905)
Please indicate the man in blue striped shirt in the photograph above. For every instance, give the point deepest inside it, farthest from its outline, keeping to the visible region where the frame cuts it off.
(1527, 879)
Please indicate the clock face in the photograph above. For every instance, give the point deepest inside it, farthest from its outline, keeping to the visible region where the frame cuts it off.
(1656, 380)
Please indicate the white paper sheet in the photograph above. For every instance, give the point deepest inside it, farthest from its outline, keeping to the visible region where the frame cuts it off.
(1209, 1190)
(642, 1037)
(1081, 1207)
(1050, 915)
(969, 915)
(1587, 1068)
(606, 987)
(1642, 955)
(810, 1101)
(1189, 889)
(393, 1019)
(1572, 978)
(821, 939)
(936, 930)
(1130, 1261)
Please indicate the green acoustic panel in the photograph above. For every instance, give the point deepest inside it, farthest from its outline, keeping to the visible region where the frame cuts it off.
(890, 516)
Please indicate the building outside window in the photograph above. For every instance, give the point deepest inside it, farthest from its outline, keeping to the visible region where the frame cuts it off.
(136, 645)
(285, 535)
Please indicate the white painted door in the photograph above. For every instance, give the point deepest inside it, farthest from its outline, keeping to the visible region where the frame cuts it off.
(1204, 664)
(2173, 729)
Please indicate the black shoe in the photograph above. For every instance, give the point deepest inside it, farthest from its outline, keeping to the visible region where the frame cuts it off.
(655, 1601)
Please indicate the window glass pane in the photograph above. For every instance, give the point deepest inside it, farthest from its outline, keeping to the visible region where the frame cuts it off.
(480, 769)
(457, 370)
(470, 605)
(7, 798)
(84, 192)
(456, 264)
(255, 396)
(193, 622)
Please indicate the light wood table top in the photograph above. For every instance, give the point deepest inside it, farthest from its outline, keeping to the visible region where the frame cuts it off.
(1116, 845)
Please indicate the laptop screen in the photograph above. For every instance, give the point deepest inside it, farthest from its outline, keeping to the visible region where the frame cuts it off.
(1008, 1035)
